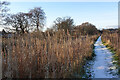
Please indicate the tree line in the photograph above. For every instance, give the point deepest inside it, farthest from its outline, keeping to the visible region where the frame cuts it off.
(24, 22)
(34, 20)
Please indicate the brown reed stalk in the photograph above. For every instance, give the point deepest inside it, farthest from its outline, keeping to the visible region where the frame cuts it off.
(40, 55)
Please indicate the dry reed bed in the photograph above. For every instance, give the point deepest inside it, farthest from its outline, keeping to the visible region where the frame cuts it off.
(113, 40)
(35, 56)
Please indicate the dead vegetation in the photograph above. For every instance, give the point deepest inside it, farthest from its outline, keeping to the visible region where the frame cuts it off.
(45, 55)
(112, 40)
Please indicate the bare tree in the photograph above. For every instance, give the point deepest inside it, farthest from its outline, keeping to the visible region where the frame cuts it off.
(24, 22)
(3, 9)
(20, 22)
(89, 28)
(38, 17)
(65, 23)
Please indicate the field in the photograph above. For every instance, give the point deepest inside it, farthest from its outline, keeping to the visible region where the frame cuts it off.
(59, 39)
(46, 55)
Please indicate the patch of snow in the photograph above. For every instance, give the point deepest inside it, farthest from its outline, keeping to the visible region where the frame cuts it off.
(103, 66)
(113, 67)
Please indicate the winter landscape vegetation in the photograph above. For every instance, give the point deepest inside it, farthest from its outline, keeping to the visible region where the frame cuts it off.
(29, 49)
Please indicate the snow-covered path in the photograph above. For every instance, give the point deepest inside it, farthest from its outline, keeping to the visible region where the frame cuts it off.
(103, 66)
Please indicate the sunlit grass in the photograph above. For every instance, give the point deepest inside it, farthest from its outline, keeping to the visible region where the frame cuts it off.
(112, 41)
(45, 56)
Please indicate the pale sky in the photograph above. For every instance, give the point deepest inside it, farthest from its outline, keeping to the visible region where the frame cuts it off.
(62, 0)
(101, 14)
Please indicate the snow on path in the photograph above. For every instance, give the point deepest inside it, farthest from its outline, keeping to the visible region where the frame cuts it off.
(103, 66)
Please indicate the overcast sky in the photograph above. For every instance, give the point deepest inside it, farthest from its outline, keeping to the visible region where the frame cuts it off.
(101, 14)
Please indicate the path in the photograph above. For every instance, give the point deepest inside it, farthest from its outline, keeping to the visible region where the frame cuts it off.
(103, 66)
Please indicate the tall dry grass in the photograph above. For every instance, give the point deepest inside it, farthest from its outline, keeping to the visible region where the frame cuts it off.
(113, 40)
(45, 55)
